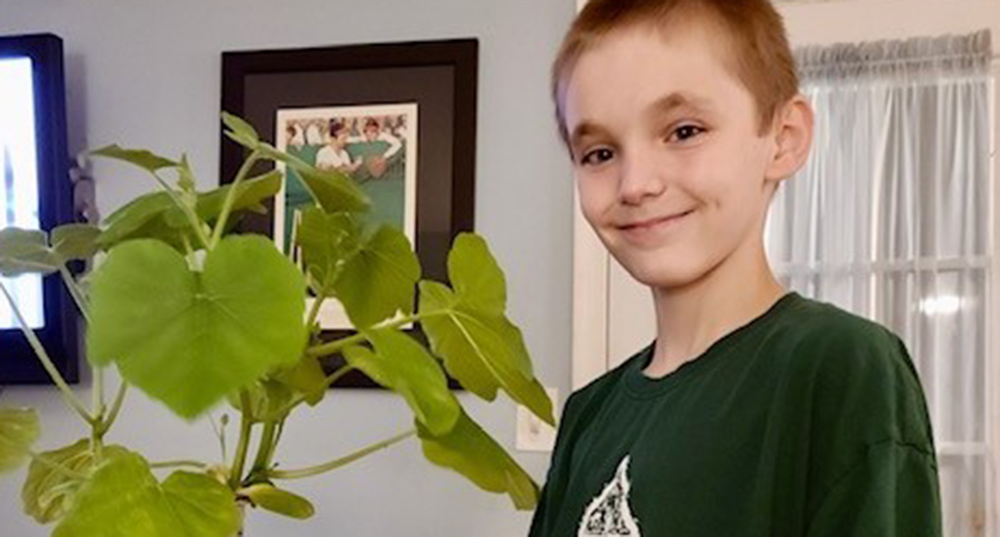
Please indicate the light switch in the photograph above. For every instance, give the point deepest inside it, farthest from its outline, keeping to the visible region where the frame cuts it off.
(533, 434)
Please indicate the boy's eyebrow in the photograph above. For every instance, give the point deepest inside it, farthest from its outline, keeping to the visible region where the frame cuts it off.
(662, 106)
(585, 129)
(672, 101)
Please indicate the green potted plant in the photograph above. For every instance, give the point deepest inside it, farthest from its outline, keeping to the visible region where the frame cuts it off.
(194, 315)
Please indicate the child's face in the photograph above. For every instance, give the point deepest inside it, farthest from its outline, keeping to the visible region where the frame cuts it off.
(667, 154)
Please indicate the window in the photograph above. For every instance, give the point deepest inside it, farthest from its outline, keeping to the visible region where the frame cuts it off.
(891, 219)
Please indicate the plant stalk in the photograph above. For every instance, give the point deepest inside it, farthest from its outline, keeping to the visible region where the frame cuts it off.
(266, 447)
(246, 427)
(227, 205)
(116, 407)
(314, 311)
(97, 409)
(188, 211)
(179, 464)
(74, 291)
(343, 461)
(71, 399)
(327, 349)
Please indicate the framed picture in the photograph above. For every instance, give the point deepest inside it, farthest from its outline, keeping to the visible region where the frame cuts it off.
(399, 118)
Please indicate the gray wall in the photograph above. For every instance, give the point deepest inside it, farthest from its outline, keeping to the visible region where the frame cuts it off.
(146, 74)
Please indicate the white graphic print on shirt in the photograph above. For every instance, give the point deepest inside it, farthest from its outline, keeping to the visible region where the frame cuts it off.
(609, 514)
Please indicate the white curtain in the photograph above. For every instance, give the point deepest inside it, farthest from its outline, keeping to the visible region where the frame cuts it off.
(890, 219)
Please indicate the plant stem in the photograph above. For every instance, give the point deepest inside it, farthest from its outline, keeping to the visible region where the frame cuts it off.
(314, 312)
(246, 426)
(74, 291)
(187, 248)
(227, 205)
(277, 439)
(343, 461)
(97, 409)
(327, 349)
(116, 407)
(188, 211)
(96, 442)
(71, 399)
(179, 464)
(264, 450)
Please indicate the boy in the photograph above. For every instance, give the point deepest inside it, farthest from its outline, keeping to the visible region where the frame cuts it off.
(756, 412)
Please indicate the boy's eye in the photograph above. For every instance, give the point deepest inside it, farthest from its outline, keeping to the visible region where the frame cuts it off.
(597, 156)
(685, 132)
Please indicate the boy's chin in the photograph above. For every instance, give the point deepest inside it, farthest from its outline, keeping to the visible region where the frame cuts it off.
(663, 275)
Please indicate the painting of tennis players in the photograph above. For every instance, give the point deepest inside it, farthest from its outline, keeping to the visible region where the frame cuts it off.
(374, 145)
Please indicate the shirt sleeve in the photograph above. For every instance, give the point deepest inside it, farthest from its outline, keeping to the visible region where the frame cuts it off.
(891, 491)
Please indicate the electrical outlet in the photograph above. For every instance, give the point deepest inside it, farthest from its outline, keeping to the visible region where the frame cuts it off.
(534, 434)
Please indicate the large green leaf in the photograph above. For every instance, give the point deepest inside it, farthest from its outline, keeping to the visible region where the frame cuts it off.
(327, 241)
(24, 251)
(334, 191)
(476, 275)
(49, 489)
(279, 501)
(124, 499)
(189, 338)
(404, 366)
(471, 452)
(482, 351)
(19, 430)
(138, 157)
(379, 279)
(468, 328)
(75, 241)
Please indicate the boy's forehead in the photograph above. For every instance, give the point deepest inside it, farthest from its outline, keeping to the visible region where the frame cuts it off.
(658, 69)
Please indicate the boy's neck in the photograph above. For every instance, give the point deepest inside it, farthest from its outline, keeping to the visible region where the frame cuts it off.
(691, 318)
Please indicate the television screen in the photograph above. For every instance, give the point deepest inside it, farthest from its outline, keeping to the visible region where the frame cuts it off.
(19, 180)
(35, 193)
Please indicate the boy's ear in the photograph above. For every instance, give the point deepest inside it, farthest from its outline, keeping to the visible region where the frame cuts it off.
(793, 133)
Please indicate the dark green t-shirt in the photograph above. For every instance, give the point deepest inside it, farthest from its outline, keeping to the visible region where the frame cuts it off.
(806, 422)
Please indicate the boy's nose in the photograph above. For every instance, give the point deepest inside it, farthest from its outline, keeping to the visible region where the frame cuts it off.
(641, 178)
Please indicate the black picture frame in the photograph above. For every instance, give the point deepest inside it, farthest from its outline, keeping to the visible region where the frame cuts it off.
(441, 77)
(59, 335)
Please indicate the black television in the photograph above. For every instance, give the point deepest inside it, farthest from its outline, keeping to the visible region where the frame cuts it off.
(35, 193)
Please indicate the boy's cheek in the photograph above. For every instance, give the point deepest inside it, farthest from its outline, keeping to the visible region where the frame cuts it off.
(596, 199)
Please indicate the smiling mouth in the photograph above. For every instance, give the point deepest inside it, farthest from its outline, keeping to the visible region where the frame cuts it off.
(655, 222)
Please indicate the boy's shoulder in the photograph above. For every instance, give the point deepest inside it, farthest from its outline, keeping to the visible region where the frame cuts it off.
(812, 328)
(846, 360)
(809, 334)
(813, 321)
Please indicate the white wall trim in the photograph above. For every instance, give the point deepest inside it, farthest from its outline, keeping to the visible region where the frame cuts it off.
(590, 296)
